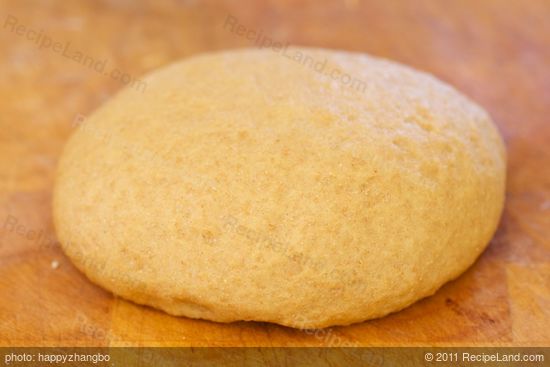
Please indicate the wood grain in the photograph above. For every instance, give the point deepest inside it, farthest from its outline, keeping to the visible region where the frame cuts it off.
(497, 52)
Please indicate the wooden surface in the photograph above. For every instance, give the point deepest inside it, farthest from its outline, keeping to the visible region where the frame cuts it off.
(496, 51)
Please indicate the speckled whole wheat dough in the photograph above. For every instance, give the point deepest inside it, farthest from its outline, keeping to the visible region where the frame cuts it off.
(247, 185)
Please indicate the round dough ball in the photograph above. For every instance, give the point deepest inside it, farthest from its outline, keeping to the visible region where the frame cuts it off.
(304, 187)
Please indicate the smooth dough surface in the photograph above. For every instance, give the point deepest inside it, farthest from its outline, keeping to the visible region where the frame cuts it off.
(248, 185)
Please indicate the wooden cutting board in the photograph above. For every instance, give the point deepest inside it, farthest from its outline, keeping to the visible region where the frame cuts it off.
(497, 52)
